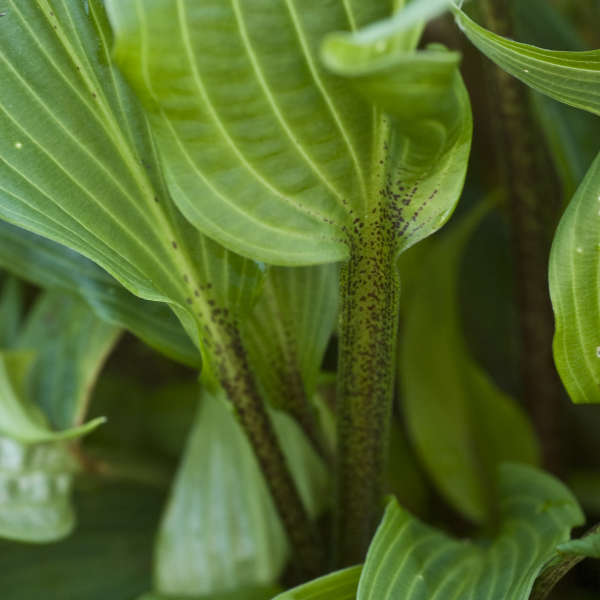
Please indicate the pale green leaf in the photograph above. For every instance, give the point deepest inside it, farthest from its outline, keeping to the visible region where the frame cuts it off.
(70, 345)
(286, 336)
(461, 423)
(20, 418)
(78, 165)
(410, 560)
(381, 129)
(574, 290)
(35, 490)
(53, 266)
(340, 585)
(571, 77)
(221, 531)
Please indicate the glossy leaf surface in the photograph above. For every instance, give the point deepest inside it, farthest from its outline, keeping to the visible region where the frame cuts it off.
(221, 531)
(411, 560)
(278, 157)
(456, 416)
(575, 291)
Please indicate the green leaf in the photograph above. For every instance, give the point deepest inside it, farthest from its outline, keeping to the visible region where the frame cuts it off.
(340, 585)
(221, 531)
(35, 491)
(409, 560)
(11, 309)
(70, 345)
(569, 77)
(108, 556)
(20, 418)
(571, 134)
(53, 266)
(321, 147)
(78, 166)
(458, 419)
(286, 336)
(574, 290)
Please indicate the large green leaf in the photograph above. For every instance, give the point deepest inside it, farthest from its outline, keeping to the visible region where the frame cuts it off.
(567, 76)
(340, 585)
(220, 531)
(575, 291)
(78, 165)
(410, 560)
(241, 116)
(35, 491)
(461, 423)
(53, 266)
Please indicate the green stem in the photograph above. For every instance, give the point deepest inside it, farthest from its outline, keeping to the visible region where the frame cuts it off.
(368, 327)
(236, 378)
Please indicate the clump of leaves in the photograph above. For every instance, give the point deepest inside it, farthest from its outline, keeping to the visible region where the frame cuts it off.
(193, 172)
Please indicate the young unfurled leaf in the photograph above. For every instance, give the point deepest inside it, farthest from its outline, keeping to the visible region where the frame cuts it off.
(567, 76)
(575, 293)
(220, 531)
(411, 560)
(340, 585)
(462, 425)
(56, 267)
(280, 158)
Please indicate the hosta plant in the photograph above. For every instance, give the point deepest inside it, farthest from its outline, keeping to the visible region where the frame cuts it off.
(250, 188)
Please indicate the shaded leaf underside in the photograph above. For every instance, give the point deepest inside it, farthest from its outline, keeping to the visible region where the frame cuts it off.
(274, 155)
